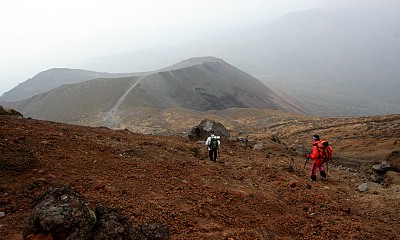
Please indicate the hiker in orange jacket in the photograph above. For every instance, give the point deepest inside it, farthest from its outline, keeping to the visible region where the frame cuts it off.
(318, 162)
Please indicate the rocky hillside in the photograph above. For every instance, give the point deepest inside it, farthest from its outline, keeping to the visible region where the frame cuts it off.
(258, 189)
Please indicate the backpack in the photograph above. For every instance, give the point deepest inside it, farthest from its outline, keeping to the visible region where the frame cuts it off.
(324, 151)
(214, 142)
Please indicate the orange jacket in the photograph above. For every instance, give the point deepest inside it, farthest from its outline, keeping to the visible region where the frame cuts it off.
(315, 154)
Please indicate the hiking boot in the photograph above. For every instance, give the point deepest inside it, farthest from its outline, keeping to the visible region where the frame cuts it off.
(313, 178)
(324, 176)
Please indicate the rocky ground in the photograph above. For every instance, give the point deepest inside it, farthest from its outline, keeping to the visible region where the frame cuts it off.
(260, 192)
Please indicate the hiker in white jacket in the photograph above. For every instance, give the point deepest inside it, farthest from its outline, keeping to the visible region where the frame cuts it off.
(212, 143)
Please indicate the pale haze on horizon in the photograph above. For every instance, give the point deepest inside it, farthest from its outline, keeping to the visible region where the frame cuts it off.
(44, 34)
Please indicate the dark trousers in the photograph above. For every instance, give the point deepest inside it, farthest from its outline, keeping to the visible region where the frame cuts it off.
(213, 155)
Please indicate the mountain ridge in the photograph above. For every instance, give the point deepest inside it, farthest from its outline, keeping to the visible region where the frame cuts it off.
(198, 84)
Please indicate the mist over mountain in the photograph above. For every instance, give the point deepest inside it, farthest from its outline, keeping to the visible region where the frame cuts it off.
(197, 84)
(342, 58)
(364, 5)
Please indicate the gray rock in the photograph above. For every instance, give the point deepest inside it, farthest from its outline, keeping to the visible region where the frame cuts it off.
(366, 186)
(202, 131)
(258, 146)
(381, 168)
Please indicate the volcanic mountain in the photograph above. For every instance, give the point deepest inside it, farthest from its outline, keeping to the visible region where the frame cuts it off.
(197, 84)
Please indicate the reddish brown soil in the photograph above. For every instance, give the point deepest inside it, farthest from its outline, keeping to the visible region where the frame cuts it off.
(247, 194)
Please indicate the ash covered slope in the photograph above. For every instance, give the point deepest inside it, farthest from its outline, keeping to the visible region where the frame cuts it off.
(205, 84)
(73, 103)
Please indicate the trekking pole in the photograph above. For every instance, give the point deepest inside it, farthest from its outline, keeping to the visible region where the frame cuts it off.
(305, 163)
(327, 168)
(327, 173)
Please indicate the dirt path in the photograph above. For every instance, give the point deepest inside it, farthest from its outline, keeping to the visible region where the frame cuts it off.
(110, 119)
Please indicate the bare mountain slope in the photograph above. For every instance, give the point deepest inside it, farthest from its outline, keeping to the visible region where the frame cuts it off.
(76, 102)
(196, 84)
(209, 83)
(53, 78)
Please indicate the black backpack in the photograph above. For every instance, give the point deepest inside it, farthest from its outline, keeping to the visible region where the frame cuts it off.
(214, 142)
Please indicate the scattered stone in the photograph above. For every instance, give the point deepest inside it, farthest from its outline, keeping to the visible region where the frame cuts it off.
(381, 168)
(258, 146)
(367, 186)
(2, 214)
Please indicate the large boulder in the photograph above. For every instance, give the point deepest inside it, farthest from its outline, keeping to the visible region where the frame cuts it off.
(61, 212)
(202, 131)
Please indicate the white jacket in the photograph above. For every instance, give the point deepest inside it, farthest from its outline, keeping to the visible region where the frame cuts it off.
(208, 141)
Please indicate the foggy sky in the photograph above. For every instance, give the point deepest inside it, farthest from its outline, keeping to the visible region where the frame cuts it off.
(43, 34)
